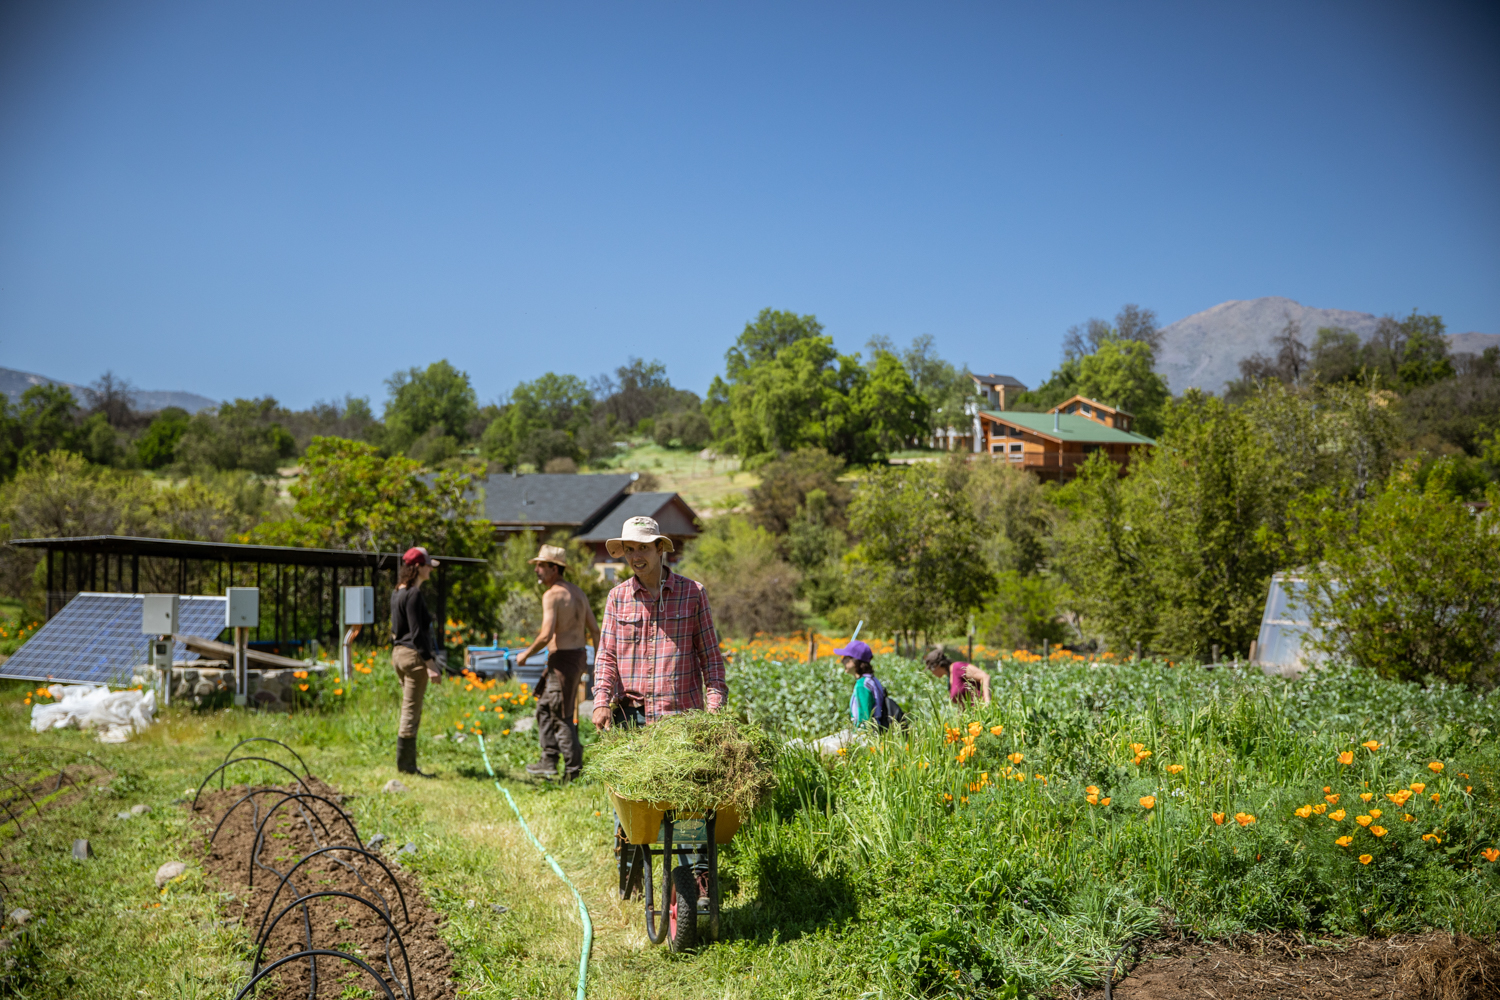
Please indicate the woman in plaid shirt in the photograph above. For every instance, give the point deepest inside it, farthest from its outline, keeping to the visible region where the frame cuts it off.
(658, 650)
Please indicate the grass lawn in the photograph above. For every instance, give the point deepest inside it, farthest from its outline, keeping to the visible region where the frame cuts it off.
(963, 857)
(705, 485)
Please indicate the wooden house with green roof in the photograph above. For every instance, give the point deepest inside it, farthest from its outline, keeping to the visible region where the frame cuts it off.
(1054, 444)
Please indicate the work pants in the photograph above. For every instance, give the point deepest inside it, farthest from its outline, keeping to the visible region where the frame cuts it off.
(556, 705)
(412, 670)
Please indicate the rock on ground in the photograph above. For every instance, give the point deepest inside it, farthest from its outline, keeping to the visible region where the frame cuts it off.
(168, 872)
(81, 850)
(395, 785)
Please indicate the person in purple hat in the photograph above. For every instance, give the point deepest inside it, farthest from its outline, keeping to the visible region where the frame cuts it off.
(868, 701)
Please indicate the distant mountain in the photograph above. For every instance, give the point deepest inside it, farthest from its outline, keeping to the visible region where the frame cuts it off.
(1204, 350)
(13, 383)
(1472, 343)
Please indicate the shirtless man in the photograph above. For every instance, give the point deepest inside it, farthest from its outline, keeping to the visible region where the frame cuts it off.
(567, 624)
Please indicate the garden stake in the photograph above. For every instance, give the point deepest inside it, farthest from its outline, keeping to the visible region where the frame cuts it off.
(583, 911)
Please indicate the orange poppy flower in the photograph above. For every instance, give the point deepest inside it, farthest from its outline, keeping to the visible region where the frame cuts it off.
(1218, 819)
(1378, 831)
(1365, 859)
(1434, 796)
(301, 687)
(1408, 818)
(1344, 841)
(1363, 820)
(1244, 819)
(1304, 811)
(1418, 787)
(1016, 758)
(1432, 837)
(1347, 757)
(996, 730)
(1370, 745)
(1092, 790)
(1174, 768)
(1333, 799)
(1366, 796)
(1375, 813)
(1435, 767)
(1320, 808)
(1104, 801)
(1091, 799)
(1148, 802)
(1337, 815)
(1490, 854)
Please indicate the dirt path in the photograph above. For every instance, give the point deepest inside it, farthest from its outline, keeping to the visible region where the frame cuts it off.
(1270, 967)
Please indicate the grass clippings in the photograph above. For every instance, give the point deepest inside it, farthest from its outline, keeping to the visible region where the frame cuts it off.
(695, 761)
(1456, 968)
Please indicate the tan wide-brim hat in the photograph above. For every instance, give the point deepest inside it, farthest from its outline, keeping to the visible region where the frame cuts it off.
(637, 529)
(552, 554)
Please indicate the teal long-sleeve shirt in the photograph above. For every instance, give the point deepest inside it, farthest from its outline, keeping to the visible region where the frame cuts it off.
(861, 703)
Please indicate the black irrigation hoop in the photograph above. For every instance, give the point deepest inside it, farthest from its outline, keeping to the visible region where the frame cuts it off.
(238, 760)
(311, 955)
(409, 990)
(405, 913)
(265, 739)
(260, 830)
(258, 790)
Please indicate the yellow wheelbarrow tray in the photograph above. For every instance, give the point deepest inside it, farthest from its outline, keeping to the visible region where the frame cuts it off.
(686, 844)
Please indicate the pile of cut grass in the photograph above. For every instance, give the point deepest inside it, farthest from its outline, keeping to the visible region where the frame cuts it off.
(695, 760)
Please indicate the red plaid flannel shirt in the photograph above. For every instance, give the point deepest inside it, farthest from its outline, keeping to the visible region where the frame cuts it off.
(660, 654)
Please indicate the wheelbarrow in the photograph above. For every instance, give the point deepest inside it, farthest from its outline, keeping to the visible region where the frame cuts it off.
(647, 831)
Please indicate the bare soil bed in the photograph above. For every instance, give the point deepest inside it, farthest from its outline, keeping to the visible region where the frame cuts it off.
(1270, 967)
(292, 832)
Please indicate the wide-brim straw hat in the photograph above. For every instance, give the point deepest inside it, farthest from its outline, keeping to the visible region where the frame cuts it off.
(637, 529)
(551, 554)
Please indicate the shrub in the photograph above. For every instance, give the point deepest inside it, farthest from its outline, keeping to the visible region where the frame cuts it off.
(749, 586)
(1404, 584)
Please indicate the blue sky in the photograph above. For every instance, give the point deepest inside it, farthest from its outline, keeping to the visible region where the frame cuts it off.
(297, 199)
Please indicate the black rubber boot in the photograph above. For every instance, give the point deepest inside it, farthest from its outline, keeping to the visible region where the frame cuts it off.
(406, 756)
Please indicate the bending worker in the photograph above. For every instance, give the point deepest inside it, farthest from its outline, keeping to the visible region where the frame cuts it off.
(567, 623)
(412, 654)
(658, 652)
(965, 680)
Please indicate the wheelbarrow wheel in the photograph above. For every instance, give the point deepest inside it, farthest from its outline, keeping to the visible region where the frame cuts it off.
(682, 909)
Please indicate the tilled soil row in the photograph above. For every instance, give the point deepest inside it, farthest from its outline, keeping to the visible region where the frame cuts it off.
(295, 830)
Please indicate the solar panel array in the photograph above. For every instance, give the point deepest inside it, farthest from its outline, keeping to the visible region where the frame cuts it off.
(96, 639)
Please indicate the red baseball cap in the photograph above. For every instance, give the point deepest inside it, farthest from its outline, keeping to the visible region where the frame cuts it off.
(417, 556)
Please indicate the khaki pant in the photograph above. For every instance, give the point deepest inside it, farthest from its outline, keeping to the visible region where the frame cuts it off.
(412, 670)
(556, 704)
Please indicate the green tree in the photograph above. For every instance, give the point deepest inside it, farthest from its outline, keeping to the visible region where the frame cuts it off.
(785, 483)
(545, 419)
(917, 565)
(438, 399)
(749, 585)
(1121, 374)
(1023, 612)
(1404, 583)
(351, 497)
(1173, 555)
(1014, 515)
(765, 337)
(809, 396)
(156, 447)
(244, 434)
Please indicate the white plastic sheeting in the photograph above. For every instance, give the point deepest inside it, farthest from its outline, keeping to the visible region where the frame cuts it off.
(1284, 629)
(117, 714)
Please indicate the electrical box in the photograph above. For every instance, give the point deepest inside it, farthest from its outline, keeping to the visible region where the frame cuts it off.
(159, 614)
(161, 653)
(242, 607)
(359, 605)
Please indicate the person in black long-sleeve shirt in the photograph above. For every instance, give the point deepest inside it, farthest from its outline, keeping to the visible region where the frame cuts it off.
(413, 654)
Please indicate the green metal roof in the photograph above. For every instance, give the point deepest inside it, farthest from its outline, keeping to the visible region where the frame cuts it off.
(1070, 427)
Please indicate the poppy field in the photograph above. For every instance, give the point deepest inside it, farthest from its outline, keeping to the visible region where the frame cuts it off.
(985, 851)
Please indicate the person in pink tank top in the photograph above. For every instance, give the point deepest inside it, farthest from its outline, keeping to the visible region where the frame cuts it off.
(964, 679)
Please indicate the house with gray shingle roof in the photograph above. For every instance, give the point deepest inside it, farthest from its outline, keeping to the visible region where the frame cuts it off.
(590, 507)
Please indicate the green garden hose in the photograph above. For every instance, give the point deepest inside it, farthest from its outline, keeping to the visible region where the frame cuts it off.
(583, 911)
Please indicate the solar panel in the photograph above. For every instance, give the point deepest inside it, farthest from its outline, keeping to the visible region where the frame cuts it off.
(96, 639)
